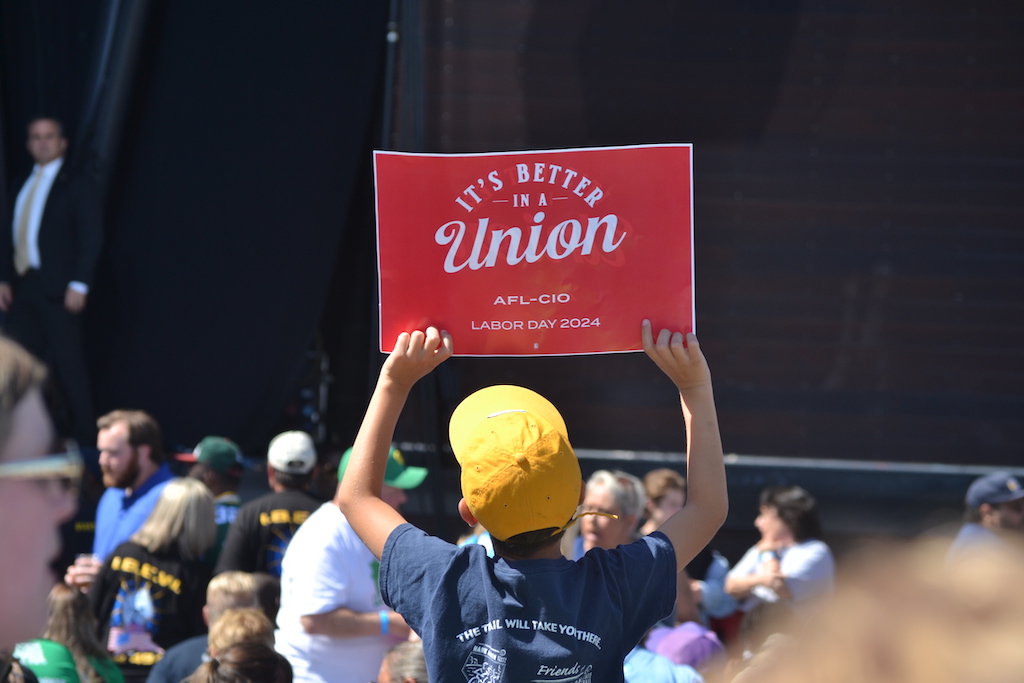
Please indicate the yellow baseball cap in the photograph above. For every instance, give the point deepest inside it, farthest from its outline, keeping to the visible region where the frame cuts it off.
(519, 472)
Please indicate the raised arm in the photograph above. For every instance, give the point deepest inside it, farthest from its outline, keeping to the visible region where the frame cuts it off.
(707, 501)
(358, 495)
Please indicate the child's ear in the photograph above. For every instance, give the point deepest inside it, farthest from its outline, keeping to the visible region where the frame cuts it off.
(465, 513)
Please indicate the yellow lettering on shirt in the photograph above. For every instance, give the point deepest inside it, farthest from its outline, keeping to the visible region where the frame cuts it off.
(138, 658)
(296, 517)
(146, 571)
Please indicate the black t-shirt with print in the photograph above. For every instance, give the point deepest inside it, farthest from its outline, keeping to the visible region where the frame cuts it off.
(262, 531)
(147, 602)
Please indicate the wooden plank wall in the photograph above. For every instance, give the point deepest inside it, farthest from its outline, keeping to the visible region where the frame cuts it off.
(859, 208)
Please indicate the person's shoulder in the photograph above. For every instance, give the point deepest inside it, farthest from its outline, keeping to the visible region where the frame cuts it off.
(656, 545)
(327, 512)
(258, 503)
(151, 489)
(163, 475)
(643, 558)
(300, 499)
(127, 549)
(972, 537)
(77, 177)
(410, 551)
(973, 531)
(654, 539)
(197, 571)
(288, 498)
(189, 649)
(228, 499)
(643, 665)
(812, 547)
(409, 542)
(109, 671)
(41, 651)
(47, 660)
(111, 497)
(325, 521)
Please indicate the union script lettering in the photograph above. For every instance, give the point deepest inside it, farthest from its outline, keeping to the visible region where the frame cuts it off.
(568, 237)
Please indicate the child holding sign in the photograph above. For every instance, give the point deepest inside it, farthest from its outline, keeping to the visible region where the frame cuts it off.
(528, 613)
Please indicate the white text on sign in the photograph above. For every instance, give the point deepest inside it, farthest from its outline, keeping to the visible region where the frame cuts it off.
(566, 238)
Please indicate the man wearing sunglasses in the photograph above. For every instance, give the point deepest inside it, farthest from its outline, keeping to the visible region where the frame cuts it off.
(37, 494)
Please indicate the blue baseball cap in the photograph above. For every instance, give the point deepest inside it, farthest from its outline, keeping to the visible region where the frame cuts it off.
(995, 488)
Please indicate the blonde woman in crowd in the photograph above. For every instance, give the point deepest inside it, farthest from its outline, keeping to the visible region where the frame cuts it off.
(149, 595)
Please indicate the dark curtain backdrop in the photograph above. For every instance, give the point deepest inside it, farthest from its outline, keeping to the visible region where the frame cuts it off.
(250, 129)
(859, 257)
(249, 125)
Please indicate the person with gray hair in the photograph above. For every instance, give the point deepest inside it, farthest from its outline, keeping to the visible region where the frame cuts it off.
(149, 595)
(230, 590)
(619, 500)
(404, 663)
(37, 494)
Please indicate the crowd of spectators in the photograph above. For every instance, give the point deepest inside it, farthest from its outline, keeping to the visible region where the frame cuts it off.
(187, 581)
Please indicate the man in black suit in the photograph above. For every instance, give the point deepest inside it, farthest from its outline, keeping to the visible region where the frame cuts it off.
(47, 264)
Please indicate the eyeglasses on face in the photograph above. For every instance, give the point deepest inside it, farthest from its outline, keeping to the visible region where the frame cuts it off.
(61, 469)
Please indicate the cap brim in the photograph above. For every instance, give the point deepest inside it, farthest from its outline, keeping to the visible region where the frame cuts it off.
(1016, 495)
(410, 478)
(481, 404)
(186, 457)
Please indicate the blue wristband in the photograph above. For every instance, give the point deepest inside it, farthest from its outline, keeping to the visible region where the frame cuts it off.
(384, 619)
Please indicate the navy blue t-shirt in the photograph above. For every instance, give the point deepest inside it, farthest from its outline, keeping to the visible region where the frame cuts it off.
(484, 620)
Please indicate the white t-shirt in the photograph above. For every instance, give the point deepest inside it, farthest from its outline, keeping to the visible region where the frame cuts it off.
(326, 566)
(809, 569)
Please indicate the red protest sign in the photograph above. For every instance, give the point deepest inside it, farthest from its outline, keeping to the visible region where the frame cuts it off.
(536, 253)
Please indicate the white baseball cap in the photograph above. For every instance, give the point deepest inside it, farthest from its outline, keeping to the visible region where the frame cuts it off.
(292, 453)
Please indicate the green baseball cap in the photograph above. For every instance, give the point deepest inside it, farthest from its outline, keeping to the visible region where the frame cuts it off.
(217, 453)
(397, 474)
